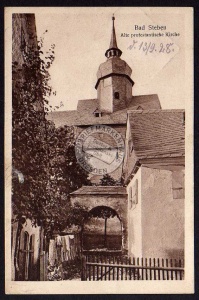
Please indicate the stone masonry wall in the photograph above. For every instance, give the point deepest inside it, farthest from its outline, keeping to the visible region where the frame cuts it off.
(116, 202)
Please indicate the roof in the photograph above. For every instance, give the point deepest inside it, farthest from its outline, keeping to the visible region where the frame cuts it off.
(100, 190)
(85, 108)
(157, 133)
(88, 105)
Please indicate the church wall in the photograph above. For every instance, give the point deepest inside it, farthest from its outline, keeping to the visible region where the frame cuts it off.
(162, 215)
(116, 202)
(105, 95)
(124, 88)
(134, 217)
(129, 93)
(23, 35)
(24, 45)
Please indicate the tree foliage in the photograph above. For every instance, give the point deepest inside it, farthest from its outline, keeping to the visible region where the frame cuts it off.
(103, 212)
(29, 148)
(42, 155)
(107, 180)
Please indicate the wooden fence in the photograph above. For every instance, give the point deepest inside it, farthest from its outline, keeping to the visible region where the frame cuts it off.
(124, 268)
(43, 266)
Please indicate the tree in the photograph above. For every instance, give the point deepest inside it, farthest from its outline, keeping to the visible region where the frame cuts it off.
(66, 175)
(105, 213)
(107, 180)
(29, 96)
(42, 154)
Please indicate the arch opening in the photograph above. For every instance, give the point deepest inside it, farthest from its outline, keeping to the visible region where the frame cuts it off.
(102, 230)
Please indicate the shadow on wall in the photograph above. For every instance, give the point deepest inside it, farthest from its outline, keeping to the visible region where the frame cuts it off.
(175, 253)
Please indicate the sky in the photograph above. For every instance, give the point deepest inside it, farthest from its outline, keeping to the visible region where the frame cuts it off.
(82, 35)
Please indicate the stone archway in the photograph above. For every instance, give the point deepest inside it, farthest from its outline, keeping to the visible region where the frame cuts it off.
(102, 229)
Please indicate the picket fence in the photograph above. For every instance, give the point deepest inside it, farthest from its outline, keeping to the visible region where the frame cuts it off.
(96, 267)
(43, 263)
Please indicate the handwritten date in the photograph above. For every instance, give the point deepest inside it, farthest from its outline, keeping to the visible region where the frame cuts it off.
(148, 47)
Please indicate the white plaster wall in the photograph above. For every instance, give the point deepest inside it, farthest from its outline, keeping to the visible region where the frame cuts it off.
(105, 95)
(162, 216)
(134, 220)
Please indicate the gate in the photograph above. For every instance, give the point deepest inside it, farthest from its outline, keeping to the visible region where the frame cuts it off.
(96, 268)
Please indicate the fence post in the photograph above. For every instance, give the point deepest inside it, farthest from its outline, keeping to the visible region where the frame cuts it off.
(83, 271)
(42, 266)
(46, 266)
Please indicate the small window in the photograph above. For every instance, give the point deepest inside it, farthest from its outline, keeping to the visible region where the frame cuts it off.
(97, 113)
(117, 96)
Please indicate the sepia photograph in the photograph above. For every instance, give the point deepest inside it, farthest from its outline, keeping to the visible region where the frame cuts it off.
(99, 150)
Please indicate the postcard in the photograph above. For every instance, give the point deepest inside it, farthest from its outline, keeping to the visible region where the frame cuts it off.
(99, 150)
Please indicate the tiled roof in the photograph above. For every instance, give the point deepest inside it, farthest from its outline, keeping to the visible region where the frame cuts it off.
(150, 101)
(88, 105)
(157, 133)
(85, 108)
(100, 190)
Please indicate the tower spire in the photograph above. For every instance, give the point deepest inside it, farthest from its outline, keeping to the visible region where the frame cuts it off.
(113, 49)
(113, 42)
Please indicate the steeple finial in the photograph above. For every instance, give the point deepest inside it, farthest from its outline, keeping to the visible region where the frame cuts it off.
(113, 43)
(113, 49)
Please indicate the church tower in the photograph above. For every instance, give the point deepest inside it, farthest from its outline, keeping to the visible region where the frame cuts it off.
(114, 83)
